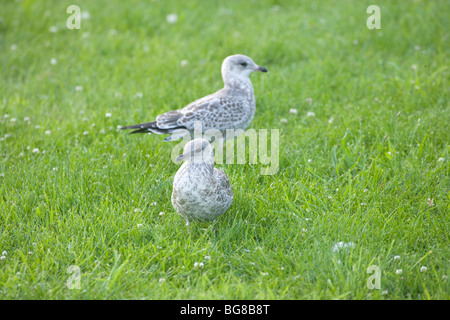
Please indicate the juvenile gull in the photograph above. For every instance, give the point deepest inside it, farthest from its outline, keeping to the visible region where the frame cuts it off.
(232, 107)
(200, 191)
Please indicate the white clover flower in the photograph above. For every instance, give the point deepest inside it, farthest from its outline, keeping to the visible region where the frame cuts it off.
(13, 47)
(441, 159)
(310, 114)
(48, 132)
(137, 210)
(172, 18)
(366, 190)
(283, 120)
(2, 175)
(6, 116)
(414, 67)
(13, 120)
(207, 257)
(342, 245)
(4, 253)
(416, 47)
(139, 225)
(396, 257)
(293, 111)
(108, 115)
(85, 15)
(430, 202)
(161, 280)
(363, 203)
(53, 29)
(102, 131)
(139, 95)
(153, 204)
(161, 214)
(330, 121)
(36, 150)
(2, 258)
(37, 126)
(26, 119)
(85, 133)
(265, 274)
(55, 169)
(184, 63)
(309, 160)
(309, 100)
(275, 8)
(30, 253)
(53, 61)
(399, 271)
(79, 88)
(423, 269)
(417, 87)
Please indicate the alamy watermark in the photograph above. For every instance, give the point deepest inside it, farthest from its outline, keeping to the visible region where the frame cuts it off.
(258, 145)
(74, 281)
(374, 21)
(74, 20)
(374, 281)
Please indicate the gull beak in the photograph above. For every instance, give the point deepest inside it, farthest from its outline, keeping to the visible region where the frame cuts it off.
(262, 69)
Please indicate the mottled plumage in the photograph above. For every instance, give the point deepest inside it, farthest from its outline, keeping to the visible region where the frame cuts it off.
(232, 107)
(200, 191)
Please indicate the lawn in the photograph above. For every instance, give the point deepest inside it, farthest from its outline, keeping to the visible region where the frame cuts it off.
(363, 177)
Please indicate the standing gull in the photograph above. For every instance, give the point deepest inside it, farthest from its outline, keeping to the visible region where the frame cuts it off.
(200, 191)
(232, 107)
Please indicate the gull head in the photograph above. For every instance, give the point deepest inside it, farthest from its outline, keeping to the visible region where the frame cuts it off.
(239, 66)
(197, 151)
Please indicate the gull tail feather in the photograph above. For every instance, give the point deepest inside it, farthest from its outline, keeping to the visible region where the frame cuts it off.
(150, 127)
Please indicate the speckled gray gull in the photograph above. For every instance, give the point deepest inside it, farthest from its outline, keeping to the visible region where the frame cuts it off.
(232, 107)
(200, 191)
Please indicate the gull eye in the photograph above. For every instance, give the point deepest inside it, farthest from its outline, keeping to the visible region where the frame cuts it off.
(244, 64)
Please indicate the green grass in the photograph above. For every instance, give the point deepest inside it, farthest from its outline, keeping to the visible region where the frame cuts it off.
(361, 170)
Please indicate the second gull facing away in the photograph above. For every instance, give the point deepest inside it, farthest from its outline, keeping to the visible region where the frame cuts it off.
(200, 191)
(232, 107)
